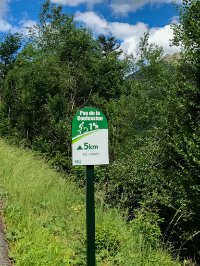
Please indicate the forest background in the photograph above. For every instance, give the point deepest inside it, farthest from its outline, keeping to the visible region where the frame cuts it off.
(152, 105)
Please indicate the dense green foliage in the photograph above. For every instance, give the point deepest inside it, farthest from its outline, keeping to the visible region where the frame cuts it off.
(152, 106)
(45, 216)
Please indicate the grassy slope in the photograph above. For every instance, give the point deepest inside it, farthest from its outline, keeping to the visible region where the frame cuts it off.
(45, 216)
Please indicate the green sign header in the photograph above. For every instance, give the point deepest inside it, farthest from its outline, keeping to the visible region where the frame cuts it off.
(86, 120)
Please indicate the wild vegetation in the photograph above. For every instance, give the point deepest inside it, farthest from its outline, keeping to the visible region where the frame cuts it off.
(45, 216)
(152, 105)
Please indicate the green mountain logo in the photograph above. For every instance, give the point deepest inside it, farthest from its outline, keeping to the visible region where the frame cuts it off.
(79, 148)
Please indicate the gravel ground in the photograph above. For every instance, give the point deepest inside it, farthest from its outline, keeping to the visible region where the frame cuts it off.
(4, 260)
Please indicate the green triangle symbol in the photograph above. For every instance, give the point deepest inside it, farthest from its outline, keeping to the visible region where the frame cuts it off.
(79, 148)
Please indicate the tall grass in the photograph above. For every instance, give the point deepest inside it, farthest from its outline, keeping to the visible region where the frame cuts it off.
(45, 218)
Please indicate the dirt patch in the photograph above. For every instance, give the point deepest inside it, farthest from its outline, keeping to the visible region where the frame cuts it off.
(4, 259)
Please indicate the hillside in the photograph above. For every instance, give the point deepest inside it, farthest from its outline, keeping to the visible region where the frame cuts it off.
(45, 217)
(172, 58)
(154, 138)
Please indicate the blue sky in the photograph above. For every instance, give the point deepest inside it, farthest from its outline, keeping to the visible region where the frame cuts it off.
(127, 20)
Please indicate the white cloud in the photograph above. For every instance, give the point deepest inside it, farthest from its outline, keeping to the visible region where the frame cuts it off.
(22, 26)
(175, 20)
(3, 7)
(77, 2)
(162, 37)
(128, 34)
(27, 23)
(101, 26)
(98, 24)
(123, 7)
(4, 25)
(123, 31)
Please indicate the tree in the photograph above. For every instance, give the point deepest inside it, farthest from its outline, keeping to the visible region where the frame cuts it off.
(9, 46)
(187, 34)
(181, 157)
(59, 69)
(138, 128)
(108, 45)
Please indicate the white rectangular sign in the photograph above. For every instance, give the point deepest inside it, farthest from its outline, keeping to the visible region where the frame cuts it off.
(90, 137)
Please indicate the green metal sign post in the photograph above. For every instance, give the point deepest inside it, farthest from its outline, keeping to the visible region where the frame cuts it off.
(89, 148)
(90, 215)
